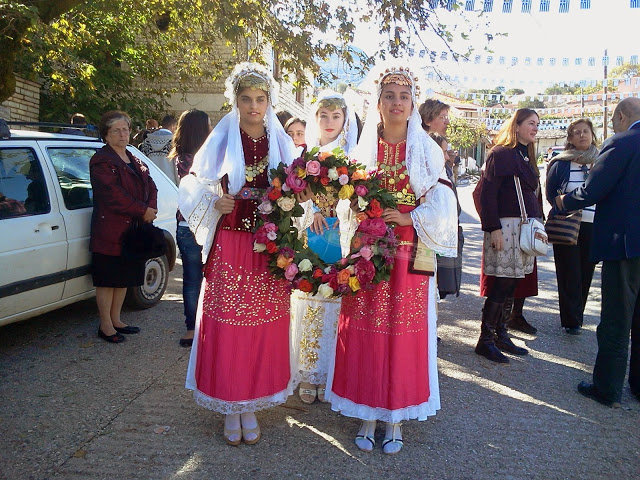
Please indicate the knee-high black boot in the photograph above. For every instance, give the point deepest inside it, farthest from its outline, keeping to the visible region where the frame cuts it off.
(502, 340)
(491, 314)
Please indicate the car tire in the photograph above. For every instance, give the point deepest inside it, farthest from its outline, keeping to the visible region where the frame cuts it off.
(156, 279)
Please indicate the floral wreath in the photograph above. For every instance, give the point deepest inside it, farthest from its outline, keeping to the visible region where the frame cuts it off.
(373, 245)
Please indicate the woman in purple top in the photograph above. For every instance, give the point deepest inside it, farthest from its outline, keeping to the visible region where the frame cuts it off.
(193, 128)
(513, 156)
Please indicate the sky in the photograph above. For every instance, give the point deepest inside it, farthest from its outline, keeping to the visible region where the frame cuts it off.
(580, 33)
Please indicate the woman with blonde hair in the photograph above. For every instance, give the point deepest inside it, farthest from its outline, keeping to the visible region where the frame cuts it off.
(512, 157)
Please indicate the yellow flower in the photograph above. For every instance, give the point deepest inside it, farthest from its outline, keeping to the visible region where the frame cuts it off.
(345, 192)
(354, 284)
(301, 172)
(283, 262)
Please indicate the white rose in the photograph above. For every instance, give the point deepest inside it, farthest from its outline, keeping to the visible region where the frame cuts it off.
(333, 173)
(325, 290)
(305, 265)
(286, 203)
(265, 207)
(259, 247)
(362, 203)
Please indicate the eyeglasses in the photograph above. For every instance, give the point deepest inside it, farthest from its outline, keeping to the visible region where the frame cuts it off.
(444, 118)
(120, 131)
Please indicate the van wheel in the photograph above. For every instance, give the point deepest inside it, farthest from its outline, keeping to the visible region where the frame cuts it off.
(156, 279)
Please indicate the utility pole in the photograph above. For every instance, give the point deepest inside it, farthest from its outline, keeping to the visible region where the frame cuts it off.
(605, 83)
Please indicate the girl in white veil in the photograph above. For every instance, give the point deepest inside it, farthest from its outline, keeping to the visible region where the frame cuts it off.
(240, 361)
(331, 124)
(385, 358)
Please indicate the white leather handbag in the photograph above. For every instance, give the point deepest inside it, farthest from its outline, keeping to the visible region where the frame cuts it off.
(533, 238)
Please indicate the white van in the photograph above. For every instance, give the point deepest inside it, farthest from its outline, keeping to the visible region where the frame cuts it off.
(45, 221)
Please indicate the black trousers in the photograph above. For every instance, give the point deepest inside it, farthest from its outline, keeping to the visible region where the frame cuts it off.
(620, 315)
(574, 272)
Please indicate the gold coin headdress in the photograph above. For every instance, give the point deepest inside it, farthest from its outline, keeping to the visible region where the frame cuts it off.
(254, 76)
(399, 76)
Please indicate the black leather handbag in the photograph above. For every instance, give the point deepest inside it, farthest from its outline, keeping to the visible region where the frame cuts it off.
(143, 241)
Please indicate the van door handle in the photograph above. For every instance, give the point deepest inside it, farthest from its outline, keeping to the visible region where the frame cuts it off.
(55, 227)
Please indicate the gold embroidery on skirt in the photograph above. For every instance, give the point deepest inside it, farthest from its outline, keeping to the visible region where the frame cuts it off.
(312, 324)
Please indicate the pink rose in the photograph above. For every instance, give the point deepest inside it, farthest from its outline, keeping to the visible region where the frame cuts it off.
(265, 207)
(375, 227)
(272, 235)
(313, 168)
(291, 271)
(364, 271)
(270, 227)
(343, 179)
(296, 183)
(361, 190)
(366, 252)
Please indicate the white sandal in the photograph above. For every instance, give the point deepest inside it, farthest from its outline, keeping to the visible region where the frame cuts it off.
(365, 440)
(307, 395)
(393, 445)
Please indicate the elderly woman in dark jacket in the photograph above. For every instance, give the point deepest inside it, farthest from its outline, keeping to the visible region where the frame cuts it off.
(123, 193)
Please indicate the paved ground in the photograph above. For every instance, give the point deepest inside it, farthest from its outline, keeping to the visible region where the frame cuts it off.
(75, 407)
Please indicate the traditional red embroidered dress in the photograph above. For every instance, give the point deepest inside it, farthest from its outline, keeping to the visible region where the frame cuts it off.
(385, 359)
(242, 358)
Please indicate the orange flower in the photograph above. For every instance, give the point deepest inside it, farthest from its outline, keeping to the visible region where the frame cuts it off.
(359, 174)
(276, 182)
(343, 171)
(305, 285)
(374, 210)
(283, 262)
(275, 194)
(343, 277)
(356, 243)
(317, 273)
(322, 156)
(360, 216)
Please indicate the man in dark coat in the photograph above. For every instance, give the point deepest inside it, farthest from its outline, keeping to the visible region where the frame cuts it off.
(613, 185)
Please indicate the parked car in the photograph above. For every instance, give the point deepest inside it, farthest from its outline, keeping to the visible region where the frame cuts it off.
(45, 219)
(555, 150)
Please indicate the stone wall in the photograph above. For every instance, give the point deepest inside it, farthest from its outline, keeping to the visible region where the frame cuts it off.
(24, 104)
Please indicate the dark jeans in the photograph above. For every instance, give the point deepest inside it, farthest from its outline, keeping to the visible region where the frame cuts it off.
(191, 254)
(620, 315)
(574, 272)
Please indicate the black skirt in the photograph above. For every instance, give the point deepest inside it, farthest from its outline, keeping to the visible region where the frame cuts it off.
(116, 272)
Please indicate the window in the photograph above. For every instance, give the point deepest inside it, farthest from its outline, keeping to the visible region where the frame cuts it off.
(585, 4)
(544, 5)
(72, 170)
(526, 6)
(564, 6)
(635, 3)
(450, 4)
(23, 190)
(469, 4)
(488, 5)
(506, 6)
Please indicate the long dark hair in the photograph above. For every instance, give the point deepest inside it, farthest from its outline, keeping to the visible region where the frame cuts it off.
(192, 131)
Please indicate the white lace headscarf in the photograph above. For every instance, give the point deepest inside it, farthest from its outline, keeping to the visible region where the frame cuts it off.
(435, 220)
(347, 138)
(222, 154)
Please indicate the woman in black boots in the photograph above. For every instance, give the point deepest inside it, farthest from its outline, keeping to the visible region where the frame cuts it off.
(512, 156)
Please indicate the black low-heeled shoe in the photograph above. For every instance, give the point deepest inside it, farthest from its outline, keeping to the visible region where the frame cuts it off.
(115, 338)
(128, 330)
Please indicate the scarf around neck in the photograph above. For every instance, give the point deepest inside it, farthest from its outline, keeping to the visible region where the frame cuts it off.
(586, 157)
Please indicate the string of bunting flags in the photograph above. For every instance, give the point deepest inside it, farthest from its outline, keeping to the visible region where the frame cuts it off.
(556, 124)
(500, 98)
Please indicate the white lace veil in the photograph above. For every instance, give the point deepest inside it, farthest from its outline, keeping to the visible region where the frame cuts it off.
(348, 136)
(222, 154)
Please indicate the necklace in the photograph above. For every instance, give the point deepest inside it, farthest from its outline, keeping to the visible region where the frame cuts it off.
(526, 159)
(252, 171)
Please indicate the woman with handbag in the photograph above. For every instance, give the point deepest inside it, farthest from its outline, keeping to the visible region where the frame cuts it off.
(511, 161)
(567, 171)
(240, 360)
(123, 193)
(385, 358)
